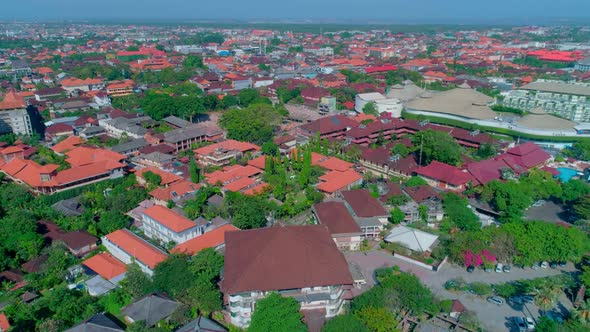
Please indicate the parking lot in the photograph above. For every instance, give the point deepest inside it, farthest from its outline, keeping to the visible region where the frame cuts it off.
(548, 211)
(491, 316)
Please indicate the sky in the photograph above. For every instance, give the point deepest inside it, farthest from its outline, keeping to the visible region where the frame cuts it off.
(361, 11)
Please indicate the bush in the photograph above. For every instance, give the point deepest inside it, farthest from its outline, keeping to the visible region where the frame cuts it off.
(506, 290)
(446, 305)
(480, 288)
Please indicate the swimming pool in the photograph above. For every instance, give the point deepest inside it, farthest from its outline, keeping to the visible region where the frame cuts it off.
(565, 174)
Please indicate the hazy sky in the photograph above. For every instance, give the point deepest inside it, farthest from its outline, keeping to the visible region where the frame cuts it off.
(403, 11)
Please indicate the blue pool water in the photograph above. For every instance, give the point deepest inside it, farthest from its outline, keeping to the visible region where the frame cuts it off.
(565, 174)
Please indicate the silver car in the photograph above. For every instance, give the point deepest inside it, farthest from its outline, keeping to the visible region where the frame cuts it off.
(496, 300)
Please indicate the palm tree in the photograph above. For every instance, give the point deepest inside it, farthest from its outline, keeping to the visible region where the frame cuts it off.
(548, 295)
(582, 312)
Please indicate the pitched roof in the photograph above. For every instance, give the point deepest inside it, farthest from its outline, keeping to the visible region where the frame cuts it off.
(4, 325)
(232, 173)
(329, 124)
(444, 172)
(83, 155)
(175, 190)
(335, 215)
(97, 323)
(202, 324)
(229, 144)
(67, 144)
(12, 101)
(137, 247)
(421, 193)
(211, 239)
(166, 177)
(278, 258)
(412, 238)
(335, 180)
(150, 309)
(169, 218)
(363, 204)
(105, 265)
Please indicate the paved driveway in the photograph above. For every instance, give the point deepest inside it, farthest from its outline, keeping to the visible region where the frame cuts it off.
(491, 316)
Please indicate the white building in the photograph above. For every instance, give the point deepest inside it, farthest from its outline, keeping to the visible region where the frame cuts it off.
(383, 104)
(163, 224)
(567, 100)
(130, 248)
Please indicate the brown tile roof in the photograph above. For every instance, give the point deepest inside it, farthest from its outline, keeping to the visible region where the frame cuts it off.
(279, 258)
(363, 204)
(335, 215)
(421, 193)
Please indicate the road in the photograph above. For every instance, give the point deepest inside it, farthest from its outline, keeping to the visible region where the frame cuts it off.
(492, 317)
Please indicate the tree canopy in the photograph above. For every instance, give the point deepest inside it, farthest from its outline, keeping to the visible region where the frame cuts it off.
(437, 145)
(277, 313)
(255, 123)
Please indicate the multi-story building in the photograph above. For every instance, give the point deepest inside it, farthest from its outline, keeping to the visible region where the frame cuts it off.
(567, 100)
(301, 262)
(130, 248)
(165, 225)
(382, 103)
(319, 51)
(222, 153)
(345, 231)
(583, 65)
(17, 117)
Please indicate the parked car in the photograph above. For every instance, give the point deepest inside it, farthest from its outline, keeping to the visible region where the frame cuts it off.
(488, 269)
(470, 269)
(539, 203)
(562, 264)
(506, 268)
(499, 268)
(535, 266)
(553, 265)
(520, 324)
(530, 324)
(495, 300)
(544, 265)
(528, 298)
(516, 300)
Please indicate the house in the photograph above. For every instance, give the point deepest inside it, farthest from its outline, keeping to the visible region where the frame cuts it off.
(165, 225)
(222, 153)
(182, 138)
(333, 126)
(130, 248)
(425, 196)
(344, 230)
(364, 205)
(102, 322)
(335, 181)
(131, 147)
(202, 324)
(120, 88)
(167, 178)
(411, 238)
(67, 144)
(106, 266)
(213, 239)
(380, 162)
(444, 176)
(57, 130)
(79, 243)
(281, 259)
(174, 192)
(18, 117)
(150, 310)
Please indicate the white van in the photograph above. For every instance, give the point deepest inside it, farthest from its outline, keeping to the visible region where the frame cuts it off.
(499, 268)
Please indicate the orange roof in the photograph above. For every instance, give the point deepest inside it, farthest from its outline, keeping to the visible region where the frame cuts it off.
(210, 239)
(229, 144)
(335, 180)
(362, 117)
(230, 173)
(11, 150)
(4, 325)
(176, 189)
(259, 162)
(335, 164)
(169, 218)
(75, 82)
(239, 184)
(257, 189)
(67, 144)
(43, 70)
(77, 173)
(105, 265)
(167, 177)
(29, 171)
(12, 101)
(136, 247)
(85, 155)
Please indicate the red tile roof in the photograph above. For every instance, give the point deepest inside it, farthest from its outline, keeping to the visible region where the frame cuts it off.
(137, 247)
(279, 258)
(335, 215)
(421, 193)
(363, 204)
(239, 184)
(257, 189)
(259, 162)
(83, 155)
(167, 177)
(176, 189)
(4, 325)
(105, 265)
(335, 180)
(232, 173)
(229, 144)
(67, 144)
(210, 239)
(445, 173)
(331, 124)
(169, 218)
(12, 101)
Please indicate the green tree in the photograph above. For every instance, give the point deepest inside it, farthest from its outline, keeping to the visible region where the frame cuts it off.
(270, 149)
(486, 151)
(400, 149)
(247, 96)
(255, 123)
(455, 208)
(371, 108)
(437, 145)
(247, 211)
(173, 275)
(581, 207)
(397, 200)
(136, 283)
(507, 197)
(378, 319)
(193, 62)
(277, 313)
(579, 150)
(573, 190)
(396, 215)
(345, 323)
(546, 324)
(194, 170)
